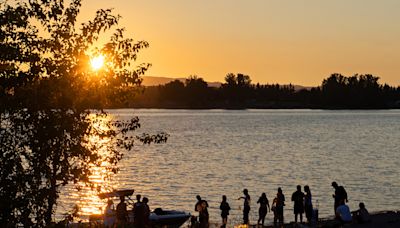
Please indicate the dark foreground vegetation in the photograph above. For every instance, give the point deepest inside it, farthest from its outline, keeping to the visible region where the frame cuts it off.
(336, 92)
(48, 137)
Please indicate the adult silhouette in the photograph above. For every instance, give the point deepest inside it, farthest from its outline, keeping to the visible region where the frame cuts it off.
(340, 195)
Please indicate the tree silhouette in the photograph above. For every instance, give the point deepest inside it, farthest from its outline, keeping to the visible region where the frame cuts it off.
(173, 91)
(196, 91)
(237, 89)
(243, 80)
(46, 85)
(358, 91)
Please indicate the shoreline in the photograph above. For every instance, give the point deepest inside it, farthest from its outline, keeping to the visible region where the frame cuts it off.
(381, 219)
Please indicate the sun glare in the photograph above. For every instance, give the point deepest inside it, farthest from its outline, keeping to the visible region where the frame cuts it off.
(97, 62)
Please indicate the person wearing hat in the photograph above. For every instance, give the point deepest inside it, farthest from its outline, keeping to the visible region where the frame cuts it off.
(340, 195)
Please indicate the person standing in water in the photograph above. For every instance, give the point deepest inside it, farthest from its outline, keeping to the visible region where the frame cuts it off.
(225, 208)
(263, 210)
(246, 206)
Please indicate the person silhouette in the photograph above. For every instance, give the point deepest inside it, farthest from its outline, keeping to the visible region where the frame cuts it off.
(246, 206)
(225, 208)
(146, 212)
(361, 215)
(122, 213)
(273, 209)
(138, 210)
(298, 204)
(201, 206)
(340, 195)
(308, 207)
(138, 197)
(263, 210)
(279, 204)
(109, 214)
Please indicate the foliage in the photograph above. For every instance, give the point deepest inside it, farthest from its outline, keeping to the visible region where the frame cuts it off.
(237, 88)
(354, 91)
(46, 86)
(196, 91)
(174, 90)
(336, 91)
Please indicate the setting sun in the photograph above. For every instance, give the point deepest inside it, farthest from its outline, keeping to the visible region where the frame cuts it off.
(97, 62)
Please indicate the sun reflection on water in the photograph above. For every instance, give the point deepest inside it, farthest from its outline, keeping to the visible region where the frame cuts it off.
(89, 203)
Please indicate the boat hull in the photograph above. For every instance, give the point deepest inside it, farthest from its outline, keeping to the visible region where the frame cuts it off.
(170, 219)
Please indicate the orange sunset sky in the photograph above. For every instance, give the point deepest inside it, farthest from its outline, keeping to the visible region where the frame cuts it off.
(274, 41)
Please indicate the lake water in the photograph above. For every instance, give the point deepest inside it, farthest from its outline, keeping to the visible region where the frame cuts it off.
(220, 152)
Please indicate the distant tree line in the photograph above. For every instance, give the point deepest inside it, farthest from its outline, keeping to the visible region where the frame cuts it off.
(336, 92)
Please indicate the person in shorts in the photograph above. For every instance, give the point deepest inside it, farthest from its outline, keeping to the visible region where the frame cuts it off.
(225, 208)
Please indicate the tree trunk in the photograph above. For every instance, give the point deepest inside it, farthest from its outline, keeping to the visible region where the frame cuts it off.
(52, 197)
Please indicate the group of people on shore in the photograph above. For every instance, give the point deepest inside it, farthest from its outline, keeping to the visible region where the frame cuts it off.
(277, 206)
(119, 217)
(302, 203)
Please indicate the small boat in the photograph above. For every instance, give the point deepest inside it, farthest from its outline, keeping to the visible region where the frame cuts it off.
(169, 218)
(158, 218)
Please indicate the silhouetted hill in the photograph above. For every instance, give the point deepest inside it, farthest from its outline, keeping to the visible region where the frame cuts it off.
(299, 87)
(156, 80)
